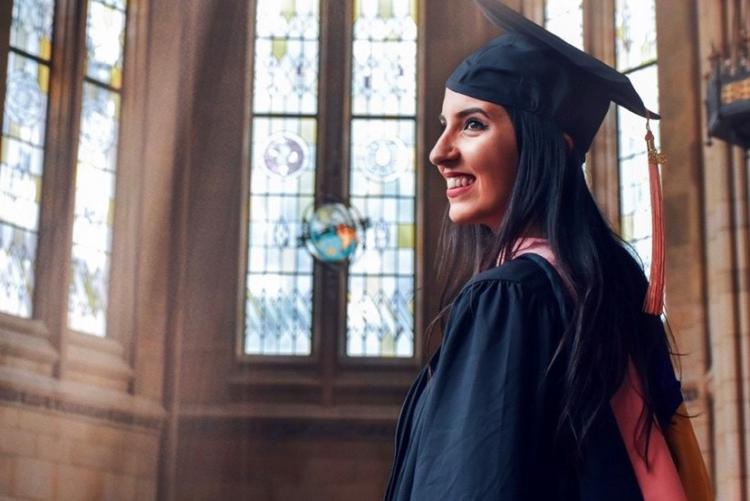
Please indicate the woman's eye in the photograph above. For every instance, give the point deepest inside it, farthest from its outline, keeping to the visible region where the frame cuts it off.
(474, 124)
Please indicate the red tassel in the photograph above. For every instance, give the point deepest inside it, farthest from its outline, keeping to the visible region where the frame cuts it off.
(654, 301)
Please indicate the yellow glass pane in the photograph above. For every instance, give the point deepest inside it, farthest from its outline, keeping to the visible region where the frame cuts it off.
(116, 77)
(45, 48)
(43, 78)
(406, 236)
(278, 48)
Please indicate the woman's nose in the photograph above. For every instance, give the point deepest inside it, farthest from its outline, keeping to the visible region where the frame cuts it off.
(443, 151)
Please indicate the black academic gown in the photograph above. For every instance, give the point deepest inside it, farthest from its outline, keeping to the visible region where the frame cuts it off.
(483, 426)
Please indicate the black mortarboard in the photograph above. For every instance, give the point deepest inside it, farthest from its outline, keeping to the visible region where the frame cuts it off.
(531, 69)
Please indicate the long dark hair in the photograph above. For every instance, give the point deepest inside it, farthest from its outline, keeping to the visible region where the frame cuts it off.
(606, 282)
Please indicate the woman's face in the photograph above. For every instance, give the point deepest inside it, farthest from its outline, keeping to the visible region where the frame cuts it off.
(478, 157)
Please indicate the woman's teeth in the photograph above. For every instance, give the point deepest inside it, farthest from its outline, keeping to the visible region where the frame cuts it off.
(459, 181)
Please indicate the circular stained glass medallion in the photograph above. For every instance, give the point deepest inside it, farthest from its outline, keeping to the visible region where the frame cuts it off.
(25, 103)
(385, 159)
(286, 154)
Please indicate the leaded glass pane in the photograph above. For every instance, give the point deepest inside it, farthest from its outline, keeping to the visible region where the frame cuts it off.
(22, 151)
(94, 209)
(286, 56)
(564, 18)
(27, 90)
(17, 253)
(31, 27)
(384, 57)
(635, 32)
(105, 41)
(278, 301)
(635, 202)
(87, 297)
(381, 281)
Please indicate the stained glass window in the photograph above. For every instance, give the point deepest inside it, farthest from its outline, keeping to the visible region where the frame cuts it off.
(564, 18)
(383, 132)
(22, 150)
(636, 56)
(279, 281)
(97, 166)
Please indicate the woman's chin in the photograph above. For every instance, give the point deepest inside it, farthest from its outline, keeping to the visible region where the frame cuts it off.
(458, 216)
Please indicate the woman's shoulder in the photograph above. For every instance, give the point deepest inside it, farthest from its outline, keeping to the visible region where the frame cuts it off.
(532, 274)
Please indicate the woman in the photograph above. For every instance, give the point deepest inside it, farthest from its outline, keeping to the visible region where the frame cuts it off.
(550, 382)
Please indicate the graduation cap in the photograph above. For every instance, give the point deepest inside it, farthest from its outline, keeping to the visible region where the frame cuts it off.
(531, 69)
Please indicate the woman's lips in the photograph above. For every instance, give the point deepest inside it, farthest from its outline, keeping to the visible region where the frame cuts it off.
(460, 190)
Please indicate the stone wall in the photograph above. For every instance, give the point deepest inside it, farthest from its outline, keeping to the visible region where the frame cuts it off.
(47, 455)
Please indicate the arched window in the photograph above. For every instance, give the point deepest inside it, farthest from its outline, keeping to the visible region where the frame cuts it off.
(97, 166)
(376, 153)
(31, 53)
(24, 127)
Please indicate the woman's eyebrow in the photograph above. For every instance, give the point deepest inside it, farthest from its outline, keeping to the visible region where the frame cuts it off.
(465, 112)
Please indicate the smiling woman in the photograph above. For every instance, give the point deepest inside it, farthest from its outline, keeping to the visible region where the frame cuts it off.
(477, 155)
(553, 379)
